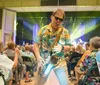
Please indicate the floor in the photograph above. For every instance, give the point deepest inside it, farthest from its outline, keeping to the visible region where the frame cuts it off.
(36, 78)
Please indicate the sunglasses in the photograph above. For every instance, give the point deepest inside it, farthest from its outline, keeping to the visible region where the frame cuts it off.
(57, 18)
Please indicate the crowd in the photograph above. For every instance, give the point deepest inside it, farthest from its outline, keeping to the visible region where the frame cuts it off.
(23, 63)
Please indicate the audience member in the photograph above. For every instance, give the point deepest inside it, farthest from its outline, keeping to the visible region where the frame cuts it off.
(7, 64)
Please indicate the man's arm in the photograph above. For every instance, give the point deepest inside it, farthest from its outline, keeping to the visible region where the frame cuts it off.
(37, 54)
(36, 50)
(66, 48)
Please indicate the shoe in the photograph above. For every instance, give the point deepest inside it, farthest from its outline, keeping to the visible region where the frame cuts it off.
(28, 80)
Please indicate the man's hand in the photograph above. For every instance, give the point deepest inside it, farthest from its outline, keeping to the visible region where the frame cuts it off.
(57, 48)
(40, 61)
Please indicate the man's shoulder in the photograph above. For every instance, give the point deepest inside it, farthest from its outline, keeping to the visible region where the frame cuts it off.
(44, 27)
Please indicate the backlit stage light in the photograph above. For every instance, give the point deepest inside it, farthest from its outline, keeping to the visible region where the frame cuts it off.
(83, 28)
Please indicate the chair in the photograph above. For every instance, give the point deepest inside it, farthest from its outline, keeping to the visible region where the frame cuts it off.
(29, 62)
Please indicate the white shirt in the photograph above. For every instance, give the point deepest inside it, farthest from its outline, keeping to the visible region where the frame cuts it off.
(6, 65)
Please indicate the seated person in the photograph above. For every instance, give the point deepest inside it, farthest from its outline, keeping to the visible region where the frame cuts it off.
(8, 64)
(74, 56)
(86, 64)
(10, 52)
(29, 64)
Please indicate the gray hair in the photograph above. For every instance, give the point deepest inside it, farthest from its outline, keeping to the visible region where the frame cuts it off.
(95, 42)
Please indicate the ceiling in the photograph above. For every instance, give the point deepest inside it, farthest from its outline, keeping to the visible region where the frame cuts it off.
(52, 8)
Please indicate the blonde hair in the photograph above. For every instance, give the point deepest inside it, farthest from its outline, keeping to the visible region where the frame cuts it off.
(59, 10)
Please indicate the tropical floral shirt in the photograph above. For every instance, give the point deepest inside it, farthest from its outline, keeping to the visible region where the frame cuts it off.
(88, 64)
(90, 60)
(46, 38)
